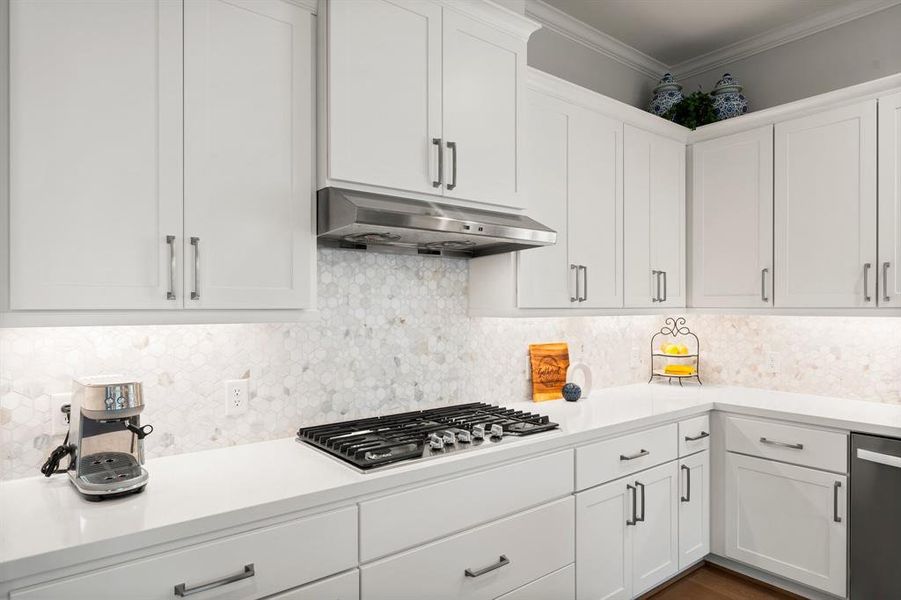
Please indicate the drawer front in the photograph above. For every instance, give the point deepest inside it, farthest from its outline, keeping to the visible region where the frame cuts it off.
(408, 519)
(815, 448)
(694, 435)
(340, 587)
(559, 585)
(615, 458)
(280, 559)
(480, 564)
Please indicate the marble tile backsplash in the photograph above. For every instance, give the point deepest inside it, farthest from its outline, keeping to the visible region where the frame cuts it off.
(392, 335)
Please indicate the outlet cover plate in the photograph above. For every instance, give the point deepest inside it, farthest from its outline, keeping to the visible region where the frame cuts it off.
(58, 423)
(237, 396)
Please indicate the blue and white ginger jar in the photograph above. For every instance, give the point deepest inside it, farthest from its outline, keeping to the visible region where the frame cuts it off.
(727, 99)
(667, 94)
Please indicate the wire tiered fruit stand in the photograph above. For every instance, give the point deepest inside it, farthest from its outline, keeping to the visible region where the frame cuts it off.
(668, 360)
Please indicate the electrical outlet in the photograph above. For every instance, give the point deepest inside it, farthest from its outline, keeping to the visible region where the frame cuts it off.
(59, 423)
(237, 396)
(635, 357)
(772, 362)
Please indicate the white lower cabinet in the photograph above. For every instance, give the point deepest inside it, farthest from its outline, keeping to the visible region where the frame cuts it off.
(558, 585)
(481, 563)
(788, 520)
(628, 534)
(694, 508)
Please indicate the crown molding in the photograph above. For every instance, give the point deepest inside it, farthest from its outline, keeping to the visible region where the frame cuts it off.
(780, 35)
(582, 33)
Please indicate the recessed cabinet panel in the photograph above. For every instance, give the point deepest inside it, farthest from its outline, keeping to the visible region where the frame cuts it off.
(481, 69)
(825, 209)
(889, 294)
(732, 220)
(655, 545)
(95, 154)
(248, 154)
(544, 278)
(384, 92)
(604, 542)
(694, 508)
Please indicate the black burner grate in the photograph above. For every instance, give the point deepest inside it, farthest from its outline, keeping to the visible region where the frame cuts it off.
(380, 441)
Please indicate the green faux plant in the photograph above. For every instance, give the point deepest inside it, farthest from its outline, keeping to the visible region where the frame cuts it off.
(693, 111)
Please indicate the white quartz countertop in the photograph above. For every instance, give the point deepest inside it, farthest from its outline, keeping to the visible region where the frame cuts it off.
(43, 520)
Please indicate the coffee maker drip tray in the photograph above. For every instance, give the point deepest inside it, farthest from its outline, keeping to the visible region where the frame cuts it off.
(109, 469)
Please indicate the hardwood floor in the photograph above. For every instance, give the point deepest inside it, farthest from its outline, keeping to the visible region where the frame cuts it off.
(710, 582)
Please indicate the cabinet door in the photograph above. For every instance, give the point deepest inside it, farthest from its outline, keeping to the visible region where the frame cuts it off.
(249, 240)
(655, 546)
(544, 279)
(694, 508)
(788, 520)
(95, 153)
(573, 163)
(825, 209)
(654, 219)
(605, 526)
(483, 68)
(732, 220)
(596, 208)
(384, 92)
(889, 294)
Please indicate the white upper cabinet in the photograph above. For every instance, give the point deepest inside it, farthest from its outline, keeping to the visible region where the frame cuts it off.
(825, 209)
(95, 154)
(384, 93)
(654, 219)
(482, 70)
(573, 159)
(424, 96)
(248, 154)
(889, 294)
(732, 221)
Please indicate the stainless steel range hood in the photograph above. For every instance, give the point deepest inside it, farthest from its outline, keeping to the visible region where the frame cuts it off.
(367, 221)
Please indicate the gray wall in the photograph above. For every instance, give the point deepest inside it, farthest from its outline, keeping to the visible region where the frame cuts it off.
(560, 56)
(851, 53)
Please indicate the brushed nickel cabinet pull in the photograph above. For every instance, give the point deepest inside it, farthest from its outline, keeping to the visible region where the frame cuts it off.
(665, 295)
(584, 270)
(866, 282)
(885, 296)
(437, 142)
(835, 489)
(695, 438)
(763, 440)
(575, 268)
(195, 293)
(656, 275)
(182, 589)
(503, 561)
(638, 484)
(687, 496)
(452, 146)
(763, 296)
(634, 491)
(638, 454)
(170, 241)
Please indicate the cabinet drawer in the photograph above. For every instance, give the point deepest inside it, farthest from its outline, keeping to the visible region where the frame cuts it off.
(340, 587)
(559, 585)
(400, 521)
(611, 459)
(694, 435)
(280, 557)
(816, 448)
(521, 549)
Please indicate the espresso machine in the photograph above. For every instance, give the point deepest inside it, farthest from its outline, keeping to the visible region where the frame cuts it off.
(105, 443)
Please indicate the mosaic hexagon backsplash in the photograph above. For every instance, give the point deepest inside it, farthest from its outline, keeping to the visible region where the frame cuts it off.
(393, 335)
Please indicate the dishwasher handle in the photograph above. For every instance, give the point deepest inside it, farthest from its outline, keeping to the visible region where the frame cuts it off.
(877, 457)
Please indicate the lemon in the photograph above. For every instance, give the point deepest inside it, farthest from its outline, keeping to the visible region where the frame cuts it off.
(672, 349)
(683, 349)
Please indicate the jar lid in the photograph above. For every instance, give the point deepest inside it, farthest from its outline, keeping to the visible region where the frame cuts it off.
(727, 84)
(667, 83)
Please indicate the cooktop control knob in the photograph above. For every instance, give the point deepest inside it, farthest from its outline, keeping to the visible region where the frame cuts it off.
(449, 438)
(436, 442)
(464, 437)
(478, 432)
(497, 431)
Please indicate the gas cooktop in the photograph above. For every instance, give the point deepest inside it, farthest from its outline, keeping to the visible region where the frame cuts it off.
(368, 444)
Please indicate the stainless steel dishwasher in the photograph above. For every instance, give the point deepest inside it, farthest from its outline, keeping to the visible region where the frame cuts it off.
(875, 521)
